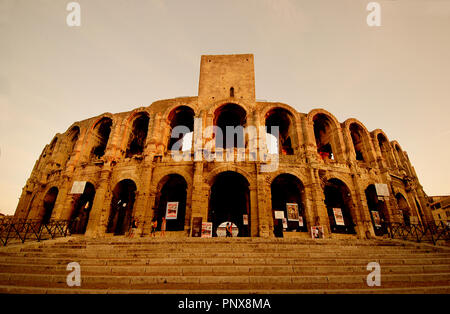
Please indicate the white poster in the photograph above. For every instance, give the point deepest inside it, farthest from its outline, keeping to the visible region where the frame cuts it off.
(78, 187)
(171, 210)
(285, 223)
(206, 230)
(382, 189)
(245, 220)
(279, 214)
(300, 221)
(338, 217)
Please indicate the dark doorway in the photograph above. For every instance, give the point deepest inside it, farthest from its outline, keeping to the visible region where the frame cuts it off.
(138, 135)
(288, 189)
(337, 196)
(121, 207)
(82, 209)
(173, 189)
(377, 210)
(230, 201)
(404, 208)
(49, 204)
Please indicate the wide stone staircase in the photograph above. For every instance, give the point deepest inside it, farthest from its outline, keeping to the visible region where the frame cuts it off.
(223, 265)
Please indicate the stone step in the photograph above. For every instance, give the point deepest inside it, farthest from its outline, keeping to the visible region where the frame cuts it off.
(221, 270)
(226, 282)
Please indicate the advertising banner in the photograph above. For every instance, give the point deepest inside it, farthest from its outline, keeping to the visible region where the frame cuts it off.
(197, 227)
(376, 218)
(300, 221)
(171, 210)
(279, 214)
(206, 229)
(317, 232)
(338, 217)
(292, 211)
(78, 187)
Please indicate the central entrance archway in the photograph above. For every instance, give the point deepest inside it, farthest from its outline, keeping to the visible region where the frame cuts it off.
(81, 209)
(339, 204)
(377, 209)
(230, 201)
(48, 205)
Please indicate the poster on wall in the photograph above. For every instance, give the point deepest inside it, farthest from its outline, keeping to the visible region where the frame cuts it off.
(317, 232)
(279, 214)
(171, 210)
(285, 225)
(292, 211)
(338, 216)
(206, 229)
(197, 227)
(382, 189)
(78, 187)
(376, 218)
(300, 221)
(245, 220)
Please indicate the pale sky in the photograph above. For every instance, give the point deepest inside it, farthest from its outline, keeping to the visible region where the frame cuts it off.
(308, 54)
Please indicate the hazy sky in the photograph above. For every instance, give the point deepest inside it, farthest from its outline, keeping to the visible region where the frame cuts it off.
(308, 54)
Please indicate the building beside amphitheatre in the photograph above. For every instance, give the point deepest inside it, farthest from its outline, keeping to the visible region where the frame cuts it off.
(107, 170)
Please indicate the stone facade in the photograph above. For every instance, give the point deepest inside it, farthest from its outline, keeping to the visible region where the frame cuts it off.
(131, 174)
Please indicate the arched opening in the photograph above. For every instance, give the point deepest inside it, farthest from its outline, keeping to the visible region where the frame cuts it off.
(404, 208)
(173, 192)
(138, 135)
(121, 210)
(48, 205)
(230, 201)
(72, 141)
(288, 196)
(231, 120)
(323, 135)
(339, 204)
(100, 137)
(377, 210)
(81, 210)
(282, 119)
(356, 133)
(232, 92)
(385, 149)
(181, 118)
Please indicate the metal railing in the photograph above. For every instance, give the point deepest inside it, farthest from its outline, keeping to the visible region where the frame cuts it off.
(420, 233)
(20, 230)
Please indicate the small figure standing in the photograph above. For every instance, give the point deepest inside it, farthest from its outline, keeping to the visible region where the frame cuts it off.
(229, 230)
(133, 228)
(154, 225)
(163, 227)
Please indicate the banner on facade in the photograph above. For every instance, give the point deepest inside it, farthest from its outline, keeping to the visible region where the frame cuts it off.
(317, 232)
(171, 210)
(78, 187)
(279, 214)
(292, 211)
(206, 229)
(300, 221)
(197, 227)
(376, 218)
(338, 217)
(382, 189)
(245, 220)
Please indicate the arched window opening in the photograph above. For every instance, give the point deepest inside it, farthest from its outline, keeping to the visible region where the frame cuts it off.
(377, 210)
(121, 209)
(182, 120)
(288, 196)
(100, 137)
(138, 135)
(404, 208)
(81, 210)
(356, 133)
(230, 202)
(323, 135)
(281, 119)
(339, 204)
(173, 192)
(72, 141)
(384, 148)
(231, 120)
(48, 205)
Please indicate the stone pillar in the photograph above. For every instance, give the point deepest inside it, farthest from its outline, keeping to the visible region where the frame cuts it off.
(321, 214)
(96, 225)
(141, 205)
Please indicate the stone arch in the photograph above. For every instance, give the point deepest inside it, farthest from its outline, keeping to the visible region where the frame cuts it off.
(216, 105)
(288, 194)
(384, 146)
(404, 207)
(360, 138)
(377, 209)
(230, 115)
(81, 209)
(48, 204)
(99, 136)
(182, 117)
(340, 206)
(171, 188)
(121, 208)
(136, 132)
(233, 168)
(286, 120)
(158, 177)
(223, 208)
(72, 137)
